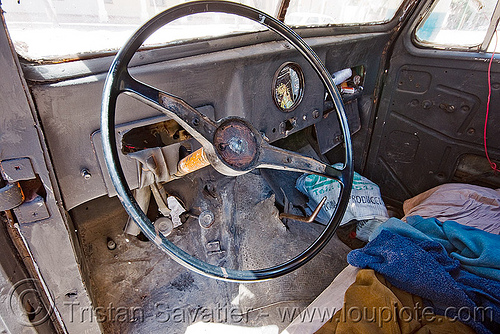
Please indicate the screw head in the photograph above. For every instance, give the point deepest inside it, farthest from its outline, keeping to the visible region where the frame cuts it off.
(206, 219)
(164, 225)
(86, 174)
(111, 244)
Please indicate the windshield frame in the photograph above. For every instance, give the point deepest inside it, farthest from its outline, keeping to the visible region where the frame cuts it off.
(304, 31)
(482, 47)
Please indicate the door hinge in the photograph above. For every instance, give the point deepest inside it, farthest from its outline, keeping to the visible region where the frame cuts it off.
(28, 205)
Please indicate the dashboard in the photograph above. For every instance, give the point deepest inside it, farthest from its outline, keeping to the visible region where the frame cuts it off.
(269, 84)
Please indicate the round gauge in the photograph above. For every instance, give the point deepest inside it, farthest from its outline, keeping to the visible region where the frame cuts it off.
(288, 86)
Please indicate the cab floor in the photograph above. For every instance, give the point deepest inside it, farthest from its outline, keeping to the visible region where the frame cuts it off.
(136, 288)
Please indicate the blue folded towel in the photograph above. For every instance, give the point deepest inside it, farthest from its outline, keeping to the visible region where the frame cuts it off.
(478, 251)
(422, 267)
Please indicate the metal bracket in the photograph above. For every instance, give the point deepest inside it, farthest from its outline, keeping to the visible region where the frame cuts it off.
(214, 247)
(17, 169)
(32, 211)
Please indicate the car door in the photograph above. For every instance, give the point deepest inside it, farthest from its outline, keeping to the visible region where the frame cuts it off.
(431, 118)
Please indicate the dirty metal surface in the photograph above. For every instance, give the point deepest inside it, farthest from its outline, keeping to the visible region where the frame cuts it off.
(138, 289)
(328, 131)
(16, 286)
(236, 144)
(50, 240)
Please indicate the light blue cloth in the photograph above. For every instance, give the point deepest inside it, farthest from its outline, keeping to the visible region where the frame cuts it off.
(478, 251)
(399, 227)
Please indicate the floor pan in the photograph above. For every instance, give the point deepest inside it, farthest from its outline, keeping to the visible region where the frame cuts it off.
(136, 288)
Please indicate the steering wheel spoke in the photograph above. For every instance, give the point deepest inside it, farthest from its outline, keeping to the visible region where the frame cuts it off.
(277, 158)
(198, 125)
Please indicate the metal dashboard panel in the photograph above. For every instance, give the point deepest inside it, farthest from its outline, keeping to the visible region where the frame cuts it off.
(236, 82)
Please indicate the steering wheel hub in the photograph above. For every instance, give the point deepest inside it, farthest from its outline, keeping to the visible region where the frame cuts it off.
(236, 144)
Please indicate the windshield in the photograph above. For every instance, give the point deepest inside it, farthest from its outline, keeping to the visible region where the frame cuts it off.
(58, 30)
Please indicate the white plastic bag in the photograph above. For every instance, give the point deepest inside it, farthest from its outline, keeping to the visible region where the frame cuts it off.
(365, 203)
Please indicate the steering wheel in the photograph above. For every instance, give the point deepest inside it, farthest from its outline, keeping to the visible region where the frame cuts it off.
(252, 151)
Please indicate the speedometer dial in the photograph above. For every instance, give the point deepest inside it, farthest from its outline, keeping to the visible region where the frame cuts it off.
(288, 86)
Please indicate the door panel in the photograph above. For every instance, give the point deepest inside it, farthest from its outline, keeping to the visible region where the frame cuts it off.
(429, 127)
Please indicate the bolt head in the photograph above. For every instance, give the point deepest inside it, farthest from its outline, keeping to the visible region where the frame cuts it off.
(86, 174)
(164, 225)
(206, 219)
(111, 244)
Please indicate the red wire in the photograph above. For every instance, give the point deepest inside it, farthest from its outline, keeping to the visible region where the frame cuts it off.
(492, 164)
